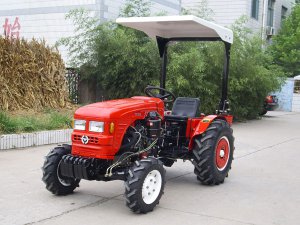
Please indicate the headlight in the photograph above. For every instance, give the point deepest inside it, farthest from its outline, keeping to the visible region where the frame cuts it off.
(79, 124)
(96, 126)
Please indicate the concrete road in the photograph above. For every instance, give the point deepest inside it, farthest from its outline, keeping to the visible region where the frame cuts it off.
(263, 186)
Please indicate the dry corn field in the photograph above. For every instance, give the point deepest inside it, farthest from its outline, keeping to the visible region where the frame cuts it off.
(31, 76)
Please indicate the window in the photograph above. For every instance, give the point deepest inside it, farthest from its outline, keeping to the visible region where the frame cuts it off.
(270, 15)
(283, 13)
(297, 87)
(254, 9)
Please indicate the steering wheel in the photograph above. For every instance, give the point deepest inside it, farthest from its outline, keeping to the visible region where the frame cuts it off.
(167, 96)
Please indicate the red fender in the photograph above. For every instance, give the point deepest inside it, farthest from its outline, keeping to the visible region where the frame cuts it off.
(204, 124)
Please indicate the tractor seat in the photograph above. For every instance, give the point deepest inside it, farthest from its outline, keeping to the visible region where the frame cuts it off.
(184, 108)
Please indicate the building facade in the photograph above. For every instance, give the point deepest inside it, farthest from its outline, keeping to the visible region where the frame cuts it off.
(45, 19)
(264, 15)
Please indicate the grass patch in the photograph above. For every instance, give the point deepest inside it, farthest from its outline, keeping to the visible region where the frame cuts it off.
(48, 119)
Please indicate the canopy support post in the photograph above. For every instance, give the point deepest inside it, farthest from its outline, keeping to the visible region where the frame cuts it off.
(163, 53)
(224, 103)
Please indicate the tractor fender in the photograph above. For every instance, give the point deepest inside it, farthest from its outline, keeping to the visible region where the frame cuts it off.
(204, 124)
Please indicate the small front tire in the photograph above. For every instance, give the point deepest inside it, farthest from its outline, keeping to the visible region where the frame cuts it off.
(144, 185)
(55, 182)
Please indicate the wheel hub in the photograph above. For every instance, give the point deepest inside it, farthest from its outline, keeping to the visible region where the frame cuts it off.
(64, 181)
(222, 153)
(151, 186)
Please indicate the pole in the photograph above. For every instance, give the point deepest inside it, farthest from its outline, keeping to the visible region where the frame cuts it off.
(224, 104)
(164, 67)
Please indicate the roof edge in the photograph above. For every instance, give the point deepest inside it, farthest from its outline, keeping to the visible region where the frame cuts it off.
(224, 33)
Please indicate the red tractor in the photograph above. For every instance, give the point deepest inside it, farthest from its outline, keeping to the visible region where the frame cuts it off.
(132, 139)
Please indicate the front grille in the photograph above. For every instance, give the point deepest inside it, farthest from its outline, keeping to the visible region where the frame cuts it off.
(77, 137)
(92, 140)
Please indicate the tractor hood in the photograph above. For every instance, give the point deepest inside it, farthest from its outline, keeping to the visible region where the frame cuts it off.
(115, 109)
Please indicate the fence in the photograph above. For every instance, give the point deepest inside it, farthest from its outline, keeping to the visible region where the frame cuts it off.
(82, 91)
(73, 78)
(11, 141)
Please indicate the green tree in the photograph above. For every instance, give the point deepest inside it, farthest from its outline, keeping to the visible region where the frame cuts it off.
(286, 45)
(199, 9)
(195, 70)
(80, 46)
(122, 61)
(127, 61)
(136, 8)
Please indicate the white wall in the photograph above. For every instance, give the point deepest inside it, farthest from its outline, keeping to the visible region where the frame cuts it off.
(43, 19)
(296, 103)
(225, 12)
(278, 5)
(296, 95)
(46, 19)
(170, 7)
(255, 24)
(285, 95)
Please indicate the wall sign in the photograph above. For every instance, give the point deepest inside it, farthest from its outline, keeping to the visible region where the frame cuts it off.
(12, 30)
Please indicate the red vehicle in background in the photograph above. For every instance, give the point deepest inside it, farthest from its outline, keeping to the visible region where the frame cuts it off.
(270, 104)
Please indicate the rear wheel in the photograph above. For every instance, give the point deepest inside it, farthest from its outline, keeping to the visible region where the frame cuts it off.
(213, 153)
(55, 182)
(144, 185)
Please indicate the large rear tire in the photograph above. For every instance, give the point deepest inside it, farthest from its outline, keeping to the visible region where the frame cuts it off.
(144, 185)
(213, 153)
(55, 182)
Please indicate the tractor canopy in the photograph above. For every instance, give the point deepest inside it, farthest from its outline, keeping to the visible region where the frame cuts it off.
(166, 29)
(177, 27)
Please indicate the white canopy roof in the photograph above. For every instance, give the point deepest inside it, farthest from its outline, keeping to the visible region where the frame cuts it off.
(177, 27)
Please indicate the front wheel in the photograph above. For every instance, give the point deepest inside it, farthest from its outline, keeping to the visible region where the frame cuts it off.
(144, 185)
(55, 182)
(213, 153)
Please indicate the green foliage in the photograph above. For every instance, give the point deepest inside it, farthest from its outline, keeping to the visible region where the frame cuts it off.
(48, 120)
(125, 56)
(252, 77)
(80, 46)
(125, 61)
(6, 124)
(188, 74)
(286, 45)
(199, 9)
(195, 70)
(136, 8)
(122, 61)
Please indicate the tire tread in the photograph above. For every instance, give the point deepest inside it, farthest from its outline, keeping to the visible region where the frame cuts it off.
(134, 183)
(203, 153)
(49, 173)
